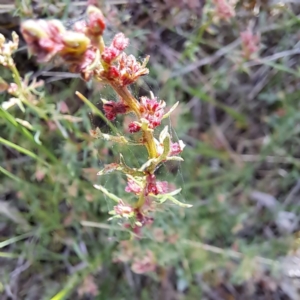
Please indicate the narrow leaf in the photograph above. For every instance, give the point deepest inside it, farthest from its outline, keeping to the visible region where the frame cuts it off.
(171, 110)
(175, 201)
(22, 150)
(107, 193)
(96, 111)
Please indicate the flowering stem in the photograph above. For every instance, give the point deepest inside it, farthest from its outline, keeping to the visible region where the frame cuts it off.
(134, 104)
(85, 52)
(101, 44)
(142, 199)
(126, 96)
(96, 110)
(150, 144)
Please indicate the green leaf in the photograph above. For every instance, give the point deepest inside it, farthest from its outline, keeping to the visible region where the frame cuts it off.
(169, 196)
(166, 115)
(11, 120)
(117, 139)
(73, 281)
(10, 175)
(107, 193)
(15, 239)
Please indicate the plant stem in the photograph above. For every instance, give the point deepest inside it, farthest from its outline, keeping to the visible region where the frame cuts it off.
(150, 144)
(142, 199)
(16, 75)
(134, 105)
(126, 96)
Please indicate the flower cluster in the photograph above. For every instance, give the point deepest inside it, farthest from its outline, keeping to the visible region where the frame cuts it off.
(151, 187)
(152, 113)
(6, 50)
(112, 108)
(155, 187)
(83, 49)
(224, 10)
(250, 43)
(119, 67)
(142, 261)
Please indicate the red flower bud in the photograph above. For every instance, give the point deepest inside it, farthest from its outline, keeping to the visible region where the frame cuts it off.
(132, 187)
(123, 210)
(176, 148)
(110, 54)
(134, 127)
(152, 110)
(112, 108)
(250, 43)
(120, 42)
(96, 22)
(113, 72)
(155, 187)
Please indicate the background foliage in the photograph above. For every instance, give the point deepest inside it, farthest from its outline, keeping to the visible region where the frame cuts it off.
(240, 122)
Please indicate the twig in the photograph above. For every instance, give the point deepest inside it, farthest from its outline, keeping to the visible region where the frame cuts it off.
(272, 57)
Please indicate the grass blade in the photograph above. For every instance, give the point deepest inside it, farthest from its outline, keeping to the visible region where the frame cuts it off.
(22, 150)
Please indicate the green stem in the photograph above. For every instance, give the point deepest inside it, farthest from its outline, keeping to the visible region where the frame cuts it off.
(150, 144)
(142, 199)
(22, 150)
(16, 76)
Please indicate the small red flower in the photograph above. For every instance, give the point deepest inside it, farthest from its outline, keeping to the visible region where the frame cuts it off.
(155, 187)
(88, 58)
(120, 42)
(130, 69)
(250, 43)
(96, 22)
(145, 264)
(80, 64)
(134, 127)
(123, 210)
(176, 148)
(43, 38)
(224, 9)
(110, 54)
(113, 72)
(112, 108)
(152, 110)
(142, 219)
(132, 187)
